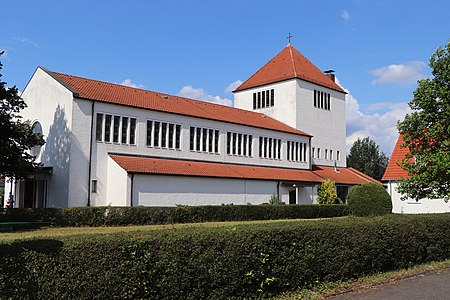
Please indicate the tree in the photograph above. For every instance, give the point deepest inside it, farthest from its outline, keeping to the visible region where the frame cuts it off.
(16, 137)
(426, 133)
(365, 156)
(326, 193)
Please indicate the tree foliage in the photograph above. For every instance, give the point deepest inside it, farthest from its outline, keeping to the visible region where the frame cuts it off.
(365, 156)
(16, 136)
(326, 193)
(426, 133)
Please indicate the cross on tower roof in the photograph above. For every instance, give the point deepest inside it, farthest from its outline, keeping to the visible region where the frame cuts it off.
(289, 37)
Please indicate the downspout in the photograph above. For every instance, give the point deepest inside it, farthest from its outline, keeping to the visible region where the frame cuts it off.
(132, 188)
(278, 190)
(90, 156)
(310, 154)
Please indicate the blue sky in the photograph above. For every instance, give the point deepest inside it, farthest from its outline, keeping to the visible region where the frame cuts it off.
(199, 49)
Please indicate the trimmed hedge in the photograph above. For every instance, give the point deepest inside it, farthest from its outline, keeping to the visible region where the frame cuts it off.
(120, 216)
(235, 262)
(369, 199)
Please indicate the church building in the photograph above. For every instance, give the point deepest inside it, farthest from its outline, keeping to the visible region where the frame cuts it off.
(108, 144)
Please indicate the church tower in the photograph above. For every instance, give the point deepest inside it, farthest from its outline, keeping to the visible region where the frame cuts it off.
(293, 90)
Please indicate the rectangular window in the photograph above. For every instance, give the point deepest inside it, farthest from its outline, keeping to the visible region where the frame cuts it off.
(245, 146)
(263, 99)
(198, 141)
(326, 153)
(268, 98)
(239, 142)
(192, 138)
(156, 135)
(149, 132)
(234, 142)
(132, 131)
(204, 139)
(331, 154)
(99, 128)
(260, 146)
(288, 150)
(254, 100)
(279, 149)
(272, 97)
(329, 102)
(116, 127)
(124, 130)
(171, 131)
(304, 152)
(164, 135)
(270, 147)
(177, 136)
(210, 140)
(216, 141)
(296, 151)
(259, 99)
(265, 147)
(318, 152)
(338, 155)
(94, 186)
(250, 144)
(108, 120)
(315, 98)
(228, 142)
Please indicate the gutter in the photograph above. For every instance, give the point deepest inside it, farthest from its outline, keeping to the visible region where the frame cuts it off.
(90, 156)
(132, 188)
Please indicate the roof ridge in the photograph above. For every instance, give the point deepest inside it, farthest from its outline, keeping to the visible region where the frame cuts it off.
(292, 60)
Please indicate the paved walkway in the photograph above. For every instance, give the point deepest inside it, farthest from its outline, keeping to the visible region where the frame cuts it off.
(424, 286)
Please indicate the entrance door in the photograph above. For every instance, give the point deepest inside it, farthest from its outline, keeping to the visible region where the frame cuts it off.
(35, 193)
(292, 197)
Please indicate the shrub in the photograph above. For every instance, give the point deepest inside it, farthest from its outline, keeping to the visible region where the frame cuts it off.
(232, 262)
(369, 199)
(326, 193)
(122, 216)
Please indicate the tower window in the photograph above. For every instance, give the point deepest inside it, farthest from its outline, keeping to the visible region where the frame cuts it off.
(264, 99)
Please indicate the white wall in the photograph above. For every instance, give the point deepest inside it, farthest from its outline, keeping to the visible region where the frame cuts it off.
(118, 183)
(327, 127)
(50, 103)
(101, 149)
(411, 206)
(294, 105)
(157, 190)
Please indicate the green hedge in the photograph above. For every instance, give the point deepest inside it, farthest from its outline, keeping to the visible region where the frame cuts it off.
(118, 216)
(234, 262)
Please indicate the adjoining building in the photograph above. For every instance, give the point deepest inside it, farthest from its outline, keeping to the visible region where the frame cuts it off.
(108, 144)
(394, 174)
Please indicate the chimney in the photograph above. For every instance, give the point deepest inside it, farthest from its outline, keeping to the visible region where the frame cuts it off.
(330, 74)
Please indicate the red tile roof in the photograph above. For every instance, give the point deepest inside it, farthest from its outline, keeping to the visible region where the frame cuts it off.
(129, 96)
(147, 165)
(289, 64)
(348, 176)
(393, 170)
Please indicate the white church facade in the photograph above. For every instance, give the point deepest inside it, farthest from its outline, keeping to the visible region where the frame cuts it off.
(108, 144)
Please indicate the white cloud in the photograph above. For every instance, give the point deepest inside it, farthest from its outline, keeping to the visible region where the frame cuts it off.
(128, 82)
(232, 86)
(25, 40)
(189, 91)
(345, 15)
(380, 125)
(407, 73)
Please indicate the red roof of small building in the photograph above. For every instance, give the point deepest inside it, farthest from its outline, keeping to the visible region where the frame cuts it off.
(289, 64)
(348, 176)
(123, 95)
(161, 166)
(393, 170)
